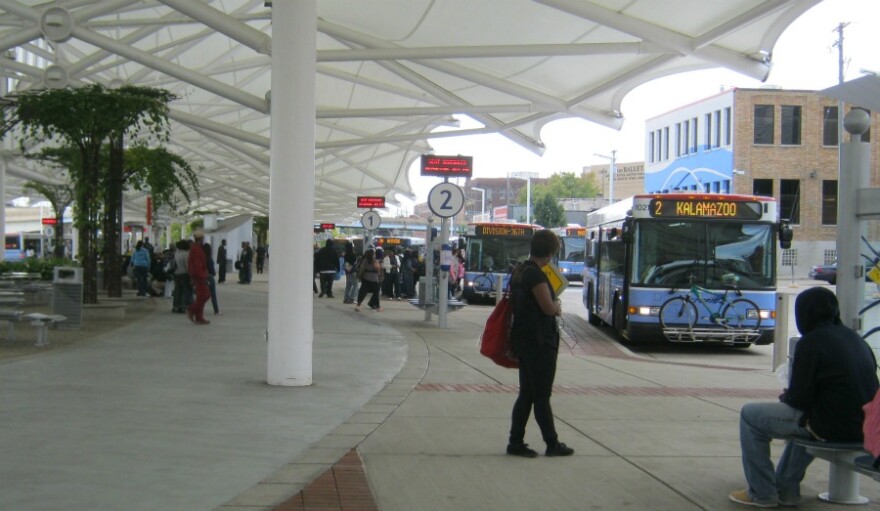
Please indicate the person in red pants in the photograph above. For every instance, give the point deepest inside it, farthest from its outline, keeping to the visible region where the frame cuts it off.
(197, 267)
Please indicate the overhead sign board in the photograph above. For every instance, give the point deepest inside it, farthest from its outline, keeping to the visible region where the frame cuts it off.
(49, 221)
(370, 201)
(674, 207)
(447, 166)
(328, 227)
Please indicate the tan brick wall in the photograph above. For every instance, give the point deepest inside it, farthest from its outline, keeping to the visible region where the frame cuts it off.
(810, 162)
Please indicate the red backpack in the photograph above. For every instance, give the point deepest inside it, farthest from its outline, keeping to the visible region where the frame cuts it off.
(495, 342)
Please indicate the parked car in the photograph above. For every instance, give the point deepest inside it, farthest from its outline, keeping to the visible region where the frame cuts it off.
(826, 272)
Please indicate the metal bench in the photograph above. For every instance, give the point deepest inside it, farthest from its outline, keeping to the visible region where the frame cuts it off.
(843, 474)
(11, 316)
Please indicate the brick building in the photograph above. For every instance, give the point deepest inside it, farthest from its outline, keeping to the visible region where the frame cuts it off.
(770, 142)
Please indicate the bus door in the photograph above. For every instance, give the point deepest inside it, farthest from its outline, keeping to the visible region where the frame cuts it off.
(611, 270)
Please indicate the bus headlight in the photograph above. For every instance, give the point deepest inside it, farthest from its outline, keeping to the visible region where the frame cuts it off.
(645, 310)
(763, 314)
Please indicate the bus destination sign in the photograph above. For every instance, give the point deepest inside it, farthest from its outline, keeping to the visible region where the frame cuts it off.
(365, 201)
(502, 230)
(704, 208)
(447, 166)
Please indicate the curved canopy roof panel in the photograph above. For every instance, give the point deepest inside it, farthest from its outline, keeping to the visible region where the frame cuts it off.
(389, 71)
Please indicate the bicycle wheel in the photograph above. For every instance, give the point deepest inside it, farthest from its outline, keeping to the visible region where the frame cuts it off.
(741, 313)
(483, 284)
(678, 312)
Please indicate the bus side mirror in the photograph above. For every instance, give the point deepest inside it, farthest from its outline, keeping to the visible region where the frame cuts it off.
(785, 236)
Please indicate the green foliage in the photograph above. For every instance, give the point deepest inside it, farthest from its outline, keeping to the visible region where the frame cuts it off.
(563, 185)
(548, 211)
(45, 267)
(165, 175)
(261, 229)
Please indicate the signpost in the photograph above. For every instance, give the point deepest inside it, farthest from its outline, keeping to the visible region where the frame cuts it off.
(444, 200)
(371, 219)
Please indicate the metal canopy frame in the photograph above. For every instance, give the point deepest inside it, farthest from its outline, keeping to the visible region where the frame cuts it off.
(389, 72)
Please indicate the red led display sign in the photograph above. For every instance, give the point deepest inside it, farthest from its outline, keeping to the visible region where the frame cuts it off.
(328, 227)
(447, 166)
(371, 202)
(49, 221)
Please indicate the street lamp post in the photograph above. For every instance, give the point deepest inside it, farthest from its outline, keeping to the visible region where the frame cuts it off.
(482, 202)
(528, 176)
(611, 171)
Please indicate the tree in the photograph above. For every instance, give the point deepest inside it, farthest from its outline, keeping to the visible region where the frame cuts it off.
(59, 196)
(562, 186)
(87, 118)
(548, 211)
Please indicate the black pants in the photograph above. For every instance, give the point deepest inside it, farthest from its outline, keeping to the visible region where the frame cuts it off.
(368, 286)
(221, 271)
(327, 284)
(537, 370)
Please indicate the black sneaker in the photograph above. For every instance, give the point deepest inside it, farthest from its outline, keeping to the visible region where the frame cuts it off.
(521, 450)
(560, 449)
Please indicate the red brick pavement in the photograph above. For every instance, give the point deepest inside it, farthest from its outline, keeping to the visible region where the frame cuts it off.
(342, 488)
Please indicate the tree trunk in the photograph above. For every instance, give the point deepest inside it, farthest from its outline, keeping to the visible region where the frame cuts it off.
(59, 236)
(113, 220)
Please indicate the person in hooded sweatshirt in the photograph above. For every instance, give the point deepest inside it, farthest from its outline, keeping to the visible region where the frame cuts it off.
(832, 376)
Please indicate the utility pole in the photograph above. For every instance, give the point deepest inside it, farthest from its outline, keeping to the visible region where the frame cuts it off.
(840, 65)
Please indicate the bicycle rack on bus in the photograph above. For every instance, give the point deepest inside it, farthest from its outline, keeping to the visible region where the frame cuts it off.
(705, 334)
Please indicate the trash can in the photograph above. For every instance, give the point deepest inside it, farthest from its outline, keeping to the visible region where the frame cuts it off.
(67, 293)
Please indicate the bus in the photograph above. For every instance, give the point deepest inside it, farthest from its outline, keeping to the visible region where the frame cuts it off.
(399, 243)
(570, 259)
(490, 249)
(710, 249)
(15, 249)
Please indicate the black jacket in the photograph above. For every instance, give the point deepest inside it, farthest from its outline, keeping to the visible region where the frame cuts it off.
(834, 371)
(327, 259)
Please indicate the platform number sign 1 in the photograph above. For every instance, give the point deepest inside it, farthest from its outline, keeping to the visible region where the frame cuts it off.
(371, 220)
(446, 200)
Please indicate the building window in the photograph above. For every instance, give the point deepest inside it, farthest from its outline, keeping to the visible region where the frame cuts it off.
(685, 137)
(651, 147)
(763, 124)
(727, 128)
(829, 202)
(762, 187)
(709, 131)
(717, 128)
(695, 132)
(866, 136)
(791, 125)
(830, 256)
(659, 145)
(829, 126)
(678, 139)
(789, 200)
(789, 257)
(666, 143)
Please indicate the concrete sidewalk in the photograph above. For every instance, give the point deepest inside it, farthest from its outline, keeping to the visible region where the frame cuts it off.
(402, 416)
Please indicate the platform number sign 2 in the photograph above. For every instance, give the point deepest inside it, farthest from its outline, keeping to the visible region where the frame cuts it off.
(446, 200)
(371, 220)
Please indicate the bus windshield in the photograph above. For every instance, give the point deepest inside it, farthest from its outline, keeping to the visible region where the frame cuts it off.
(495, 254)
(681, 253)
(572, 249)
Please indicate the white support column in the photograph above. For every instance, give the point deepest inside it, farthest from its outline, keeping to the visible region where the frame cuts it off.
(854, 175)
(292, 191)
(3, 194)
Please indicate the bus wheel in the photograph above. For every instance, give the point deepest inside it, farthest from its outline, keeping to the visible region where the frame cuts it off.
(592, 318)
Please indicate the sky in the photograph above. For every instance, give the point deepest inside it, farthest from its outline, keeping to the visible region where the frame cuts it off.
(805, 57)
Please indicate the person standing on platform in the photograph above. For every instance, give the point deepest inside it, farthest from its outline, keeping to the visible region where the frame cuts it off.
(261, 258)
(221, 262)
(212, 285)
(351, 281)
(328, 267)
(140, 261)
(536, 343)
(368, 272)
(833, 375)
(198, 274)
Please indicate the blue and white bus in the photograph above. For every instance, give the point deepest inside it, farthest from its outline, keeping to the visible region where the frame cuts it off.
(710, 249)
(570, 259)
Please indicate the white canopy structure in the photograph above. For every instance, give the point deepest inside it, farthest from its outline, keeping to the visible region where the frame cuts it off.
(356, 88)
(388, 72)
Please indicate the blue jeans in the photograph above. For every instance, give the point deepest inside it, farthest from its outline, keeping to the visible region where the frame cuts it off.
(351, 286)
(141, 274)
(759, 423)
